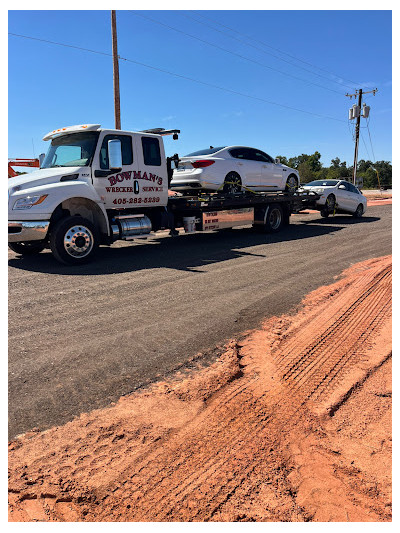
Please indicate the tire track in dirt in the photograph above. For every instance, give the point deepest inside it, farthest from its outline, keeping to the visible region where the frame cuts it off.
(242, 440)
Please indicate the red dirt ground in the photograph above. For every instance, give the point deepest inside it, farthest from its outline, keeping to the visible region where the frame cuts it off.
(291, 423)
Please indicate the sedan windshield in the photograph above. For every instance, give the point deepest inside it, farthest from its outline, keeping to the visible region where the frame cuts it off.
(72, 150)
(322, 183)
(206, 151)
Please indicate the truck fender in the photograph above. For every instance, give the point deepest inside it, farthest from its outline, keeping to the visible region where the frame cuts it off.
(78, 197)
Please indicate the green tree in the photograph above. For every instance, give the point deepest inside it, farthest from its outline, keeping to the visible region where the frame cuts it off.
(283, 159)
(306, 173)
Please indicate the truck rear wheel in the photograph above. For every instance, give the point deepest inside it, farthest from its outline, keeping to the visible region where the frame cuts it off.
(27, 248)
(273, 220)
(74, 240)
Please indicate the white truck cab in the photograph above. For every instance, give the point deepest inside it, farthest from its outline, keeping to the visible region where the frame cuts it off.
(94, 186)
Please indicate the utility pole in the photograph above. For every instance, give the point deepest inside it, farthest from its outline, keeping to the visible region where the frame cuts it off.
(357, 137)
(355, 112)
(117, 108)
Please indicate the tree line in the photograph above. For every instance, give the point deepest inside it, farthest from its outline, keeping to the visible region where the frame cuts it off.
(310, 168)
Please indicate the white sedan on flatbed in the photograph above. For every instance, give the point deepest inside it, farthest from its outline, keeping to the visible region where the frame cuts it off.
(338, 196)
(232, 169)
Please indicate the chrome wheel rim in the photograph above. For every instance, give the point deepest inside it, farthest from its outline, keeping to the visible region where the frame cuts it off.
(78, 241)
(275, 218)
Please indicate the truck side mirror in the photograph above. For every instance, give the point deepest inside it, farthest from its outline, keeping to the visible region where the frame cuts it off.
(41, 159)
(114, 154)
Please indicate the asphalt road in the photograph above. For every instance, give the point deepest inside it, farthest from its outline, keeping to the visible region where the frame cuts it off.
(79, 338)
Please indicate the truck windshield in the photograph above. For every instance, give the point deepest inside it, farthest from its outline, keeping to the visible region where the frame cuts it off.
(72, 150)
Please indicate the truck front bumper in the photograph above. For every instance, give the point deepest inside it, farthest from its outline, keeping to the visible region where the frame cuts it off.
(27, 230)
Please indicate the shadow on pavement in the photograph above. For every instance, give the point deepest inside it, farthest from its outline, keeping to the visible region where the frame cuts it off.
(186, 252)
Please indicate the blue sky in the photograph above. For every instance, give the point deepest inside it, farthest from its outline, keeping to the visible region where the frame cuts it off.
(272, 56)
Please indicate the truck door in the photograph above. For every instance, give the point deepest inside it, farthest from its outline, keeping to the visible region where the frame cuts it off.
(116, 189)
(152, 175)
(137, 184)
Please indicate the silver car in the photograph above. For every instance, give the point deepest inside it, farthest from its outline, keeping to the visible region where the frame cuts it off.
(232, 169)
(338, 196)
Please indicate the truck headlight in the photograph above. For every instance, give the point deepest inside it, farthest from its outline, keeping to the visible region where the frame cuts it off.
(29, 201)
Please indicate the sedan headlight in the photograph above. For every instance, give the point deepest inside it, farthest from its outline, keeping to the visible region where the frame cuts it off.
(29, 201)
(319, 191)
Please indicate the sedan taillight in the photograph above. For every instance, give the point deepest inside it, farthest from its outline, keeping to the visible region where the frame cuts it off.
(202, 163)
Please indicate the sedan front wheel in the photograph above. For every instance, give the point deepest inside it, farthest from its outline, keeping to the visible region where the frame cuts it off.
(359, 211)
(292, 184)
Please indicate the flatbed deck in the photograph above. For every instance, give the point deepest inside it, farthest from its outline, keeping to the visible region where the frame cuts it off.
(205, 202)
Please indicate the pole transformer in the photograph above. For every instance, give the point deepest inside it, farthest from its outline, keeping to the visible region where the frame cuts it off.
(117, 108)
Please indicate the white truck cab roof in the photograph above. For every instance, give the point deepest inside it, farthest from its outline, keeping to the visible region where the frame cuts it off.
(71, 129)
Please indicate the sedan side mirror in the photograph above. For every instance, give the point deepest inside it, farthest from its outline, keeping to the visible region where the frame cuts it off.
(114, 154)
(277, 160)
(342, 187)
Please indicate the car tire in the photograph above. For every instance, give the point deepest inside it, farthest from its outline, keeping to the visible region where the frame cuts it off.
(232, 183)
(27, 248)
(292, 184)
(324, 213)
(359, 211)
(330, 203)
(74, 240)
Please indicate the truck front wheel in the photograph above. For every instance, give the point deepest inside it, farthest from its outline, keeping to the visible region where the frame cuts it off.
(74, 240)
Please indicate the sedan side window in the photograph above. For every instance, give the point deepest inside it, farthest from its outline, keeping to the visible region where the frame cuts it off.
(262, 156)
(239, 153)
(258, 156)
(353, 189)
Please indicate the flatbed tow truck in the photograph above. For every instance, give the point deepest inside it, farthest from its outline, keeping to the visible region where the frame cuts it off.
(96, 186)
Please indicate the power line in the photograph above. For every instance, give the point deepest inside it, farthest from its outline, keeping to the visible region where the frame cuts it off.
(269, 53)
(282, 52)
(60, 44)
(235, 53)
(369, 134)
(181, 76)
(366, 149)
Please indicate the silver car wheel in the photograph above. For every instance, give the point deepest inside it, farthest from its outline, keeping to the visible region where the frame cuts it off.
(291, 184)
